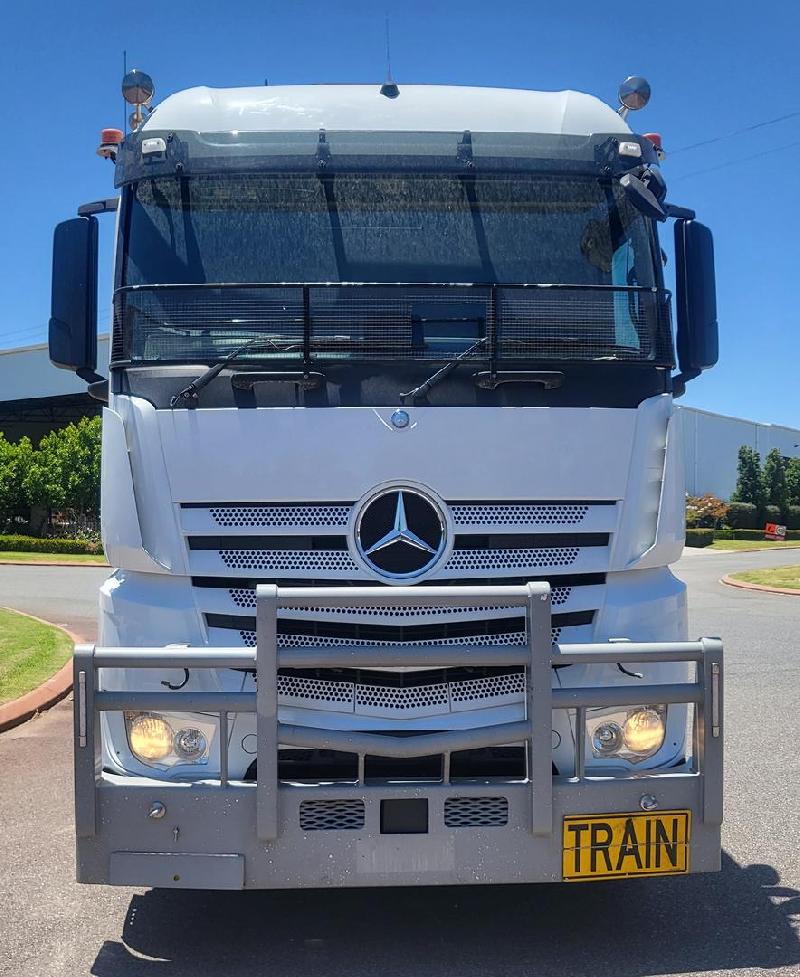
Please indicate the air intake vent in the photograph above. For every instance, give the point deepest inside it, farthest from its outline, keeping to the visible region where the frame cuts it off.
(347, 815)
(476, 812)
(280, 515)
(522, 514)
(288, 560)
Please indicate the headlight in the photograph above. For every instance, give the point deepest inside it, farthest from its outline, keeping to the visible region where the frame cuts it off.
(631, 734)
(643, 732)
(168, 739)
(150, 737)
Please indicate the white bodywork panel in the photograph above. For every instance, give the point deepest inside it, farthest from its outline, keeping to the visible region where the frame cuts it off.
(418, 108)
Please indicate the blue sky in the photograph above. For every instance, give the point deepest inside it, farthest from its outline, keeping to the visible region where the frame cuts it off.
(715, 68)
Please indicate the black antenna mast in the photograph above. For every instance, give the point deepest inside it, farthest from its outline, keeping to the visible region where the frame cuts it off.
(389, 88)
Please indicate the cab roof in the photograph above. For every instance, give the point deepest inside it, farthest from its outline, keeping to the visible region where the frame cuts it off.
(418, 108)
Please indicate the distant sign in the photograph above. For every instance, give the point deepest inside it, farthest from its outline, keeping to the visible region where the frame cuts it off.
(773, 531)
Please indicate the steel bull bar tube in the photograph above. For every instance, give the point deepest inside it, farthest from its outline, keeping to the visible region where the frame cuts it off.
(534, 731)
(574, 793)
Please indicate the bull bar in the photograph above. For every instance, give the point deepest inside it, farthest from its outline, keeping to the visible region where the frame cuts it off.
(230, 834)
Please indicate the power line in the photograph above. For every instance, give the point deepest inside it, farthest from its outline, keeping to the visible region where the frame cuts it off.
(735, 162)
(736, 132)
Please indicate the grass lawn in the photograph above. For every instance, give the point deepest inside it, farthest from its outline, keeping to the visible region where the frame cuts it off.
(787, 577)
(15, 556)
(752, 544)
(30, 652)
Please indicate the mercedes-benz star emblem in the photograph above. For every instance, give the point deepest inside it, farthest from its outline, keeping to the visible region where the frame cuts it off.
(401, 533)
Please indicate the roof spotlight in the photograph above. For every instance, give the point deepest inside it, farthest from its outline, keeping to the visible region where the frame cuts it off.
(634, 94)
(138, 87)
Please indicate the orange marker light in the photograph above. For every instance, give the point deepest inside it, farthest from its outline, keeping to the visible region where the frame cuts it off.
(110, 140)
(655, 139)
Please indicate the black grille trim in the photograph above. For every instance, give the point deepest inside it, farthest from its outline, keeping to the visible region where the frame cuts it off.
(560, 580)
(399, 634)
(463, 541)
(267, 542)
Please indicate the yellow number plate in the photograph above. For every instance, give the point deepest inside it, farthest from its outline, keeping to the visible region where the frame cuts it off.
(616, 846)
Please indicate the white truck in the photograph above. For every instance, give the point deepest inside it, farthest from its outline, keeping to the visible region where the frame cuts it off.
(392, 483)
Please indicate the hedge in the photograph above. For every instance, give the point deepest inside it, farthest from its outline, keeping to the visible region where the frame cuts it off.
(749, 534)
(35, 544)
(792, 516)
(742, 515)
(699, 537)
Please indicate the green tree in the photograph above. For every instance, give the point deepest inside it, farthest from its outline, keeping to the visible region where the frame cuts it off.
(14, 460)
(64, 471)
(749, 481)
(775, 490)
(793, 481)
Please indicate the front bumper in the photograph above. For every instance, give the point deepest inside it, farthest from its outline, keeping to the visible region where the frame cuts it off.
(272, 834)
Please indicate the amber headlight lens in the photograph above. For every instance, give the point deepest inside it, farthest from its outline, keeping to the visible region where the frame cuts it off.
(632, 734)
(643, 731)
(150, 737)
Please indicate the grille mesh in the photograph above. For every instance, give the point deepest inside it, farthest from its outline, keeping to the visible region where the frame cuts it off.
(491, 687)
(324, 641)
(512, 559)
(316, 689)
(245, 597)
(343, 815)
(288, 560)
(281, 515)
(476, 812)
(434, 698)
(414, 697)
(320, 561)
(518, 515)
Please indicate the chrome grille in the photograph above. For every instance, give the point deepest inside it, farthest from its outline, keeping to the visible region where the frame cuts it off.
(262, 542)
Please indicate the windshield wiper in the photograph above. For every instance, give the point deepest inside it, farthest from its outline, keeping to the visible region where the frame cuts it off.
(437, 377)
(190, 394)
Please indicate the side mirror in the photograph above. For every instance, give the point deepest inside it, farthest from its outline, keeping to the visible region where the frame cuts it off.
(696, 298)
(73, 309)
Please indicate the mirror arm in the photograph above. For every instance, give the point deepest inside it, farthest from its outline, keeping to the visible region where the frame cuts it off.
(107, 206)
(89, 376)
(98, 389)
(679, 213)
(680, 380)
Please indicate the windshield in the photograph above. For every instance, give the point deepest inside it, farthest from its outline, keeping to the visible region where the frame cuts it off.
(385, 228)
(387, 266)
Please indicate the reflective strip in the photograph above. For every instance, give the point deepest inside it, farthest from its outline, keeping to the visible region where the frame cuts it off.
(82, 709)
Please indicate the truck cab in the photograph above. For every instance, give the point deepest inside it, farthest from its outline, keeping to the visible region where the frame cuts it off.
(392, 484)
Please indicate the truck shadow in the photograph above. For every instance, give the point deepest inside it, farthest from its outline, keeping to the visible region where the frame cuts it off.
(741, 917)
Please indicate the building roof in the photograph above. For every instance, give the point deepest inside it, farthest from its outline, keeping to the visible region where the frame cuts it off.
(418, 108)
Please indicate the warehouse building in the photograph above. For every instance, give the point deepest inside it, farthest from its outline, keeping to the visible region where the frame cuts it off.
(35, 398)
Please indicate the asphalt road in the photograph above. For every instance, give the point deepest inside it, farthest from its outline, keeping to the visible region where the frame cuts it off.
(742, 921)
(63, 595)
